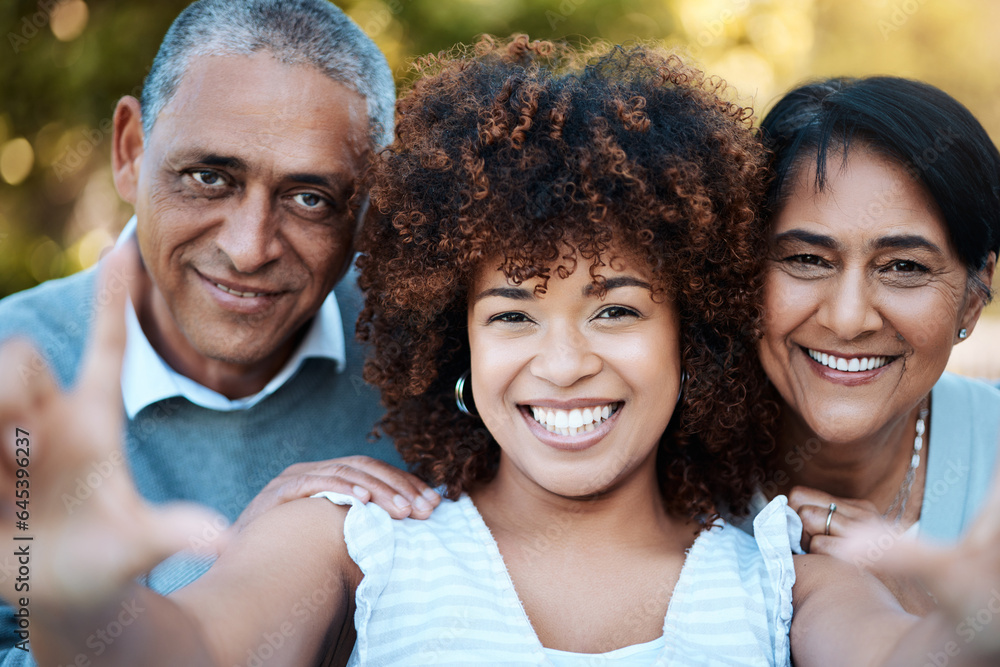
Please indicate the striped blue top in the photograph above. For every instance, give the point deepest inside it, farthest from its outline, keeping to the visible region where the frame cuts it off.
(436, 592)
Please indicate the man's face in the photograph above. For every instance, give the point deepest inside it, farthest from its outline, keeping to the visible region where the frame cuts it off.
(241, 192)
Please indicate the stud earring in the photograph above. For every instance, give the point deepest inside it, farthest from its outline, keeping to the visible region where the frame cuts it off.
(963, 334)
(460, 394)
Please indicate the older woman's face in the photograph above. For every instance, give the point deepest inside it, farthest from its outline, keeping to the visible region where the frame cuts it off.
(576, 387)
(864, 298)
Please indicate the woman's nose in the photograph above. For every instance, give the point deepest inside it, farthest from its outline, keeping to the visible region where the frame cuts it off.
(849, 307)
(565, 357)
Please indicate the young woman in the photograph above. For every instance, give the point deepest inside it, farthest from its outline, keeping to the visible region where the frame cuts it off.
(562, 277)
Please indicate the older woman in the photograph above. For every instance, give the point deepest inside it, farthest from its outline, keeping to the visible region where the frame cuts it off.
(885, 227)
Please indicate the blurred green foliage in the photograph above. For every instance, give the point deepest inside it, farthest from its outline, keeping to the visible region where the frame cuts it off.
(64, 63)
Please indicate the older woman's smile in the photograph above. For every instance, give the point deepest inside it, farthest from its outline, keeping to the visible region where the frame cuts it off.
(847, 362)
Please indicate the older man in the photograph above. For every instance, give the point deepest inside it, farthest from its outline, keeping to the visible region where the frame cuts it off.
(243, 162)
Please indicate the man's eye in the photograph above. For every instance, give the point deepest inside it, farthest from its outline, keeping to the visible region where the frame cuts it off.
(309, 200)
(208, 177)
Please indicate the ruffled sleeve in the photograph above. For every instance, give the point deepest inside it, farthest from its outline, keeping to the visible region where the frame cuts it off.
(370, 543)
(778, 531)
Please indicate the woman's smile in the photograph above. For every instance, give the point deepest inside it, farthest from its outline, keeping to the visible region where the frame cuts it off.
(571, 429)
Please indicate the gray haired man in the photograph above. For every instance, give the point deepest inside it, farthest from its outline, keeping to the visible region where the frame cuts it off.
(244, 163)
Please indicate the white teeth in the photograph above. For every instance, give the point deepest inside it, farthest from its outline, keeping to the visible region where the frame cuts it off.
(852, 365)
(242, 294)
(572, 422)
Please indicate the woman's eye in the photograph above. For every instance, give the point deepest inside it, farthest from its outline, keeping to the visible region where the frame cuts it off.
(208, 177)
(309, 200)
(905, 266)
(811, 260)
(510, 318)
(616, 313)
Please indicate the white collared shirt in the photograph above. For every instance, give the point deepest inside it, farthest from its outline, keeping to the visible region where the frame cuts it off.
(147, 378)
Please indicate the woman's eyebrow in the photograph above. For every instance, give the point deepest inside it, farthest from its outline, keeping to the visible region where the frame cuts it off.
(809, 238)
(904, 242)
(518, 293)
(617, 281)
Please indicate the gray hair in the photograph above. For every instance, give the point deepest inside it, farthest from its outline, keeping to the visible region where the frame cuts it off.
(309, 32)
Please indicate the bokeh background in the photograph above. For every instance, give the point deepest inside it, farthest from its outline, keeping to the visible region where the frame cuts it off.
(64, 63)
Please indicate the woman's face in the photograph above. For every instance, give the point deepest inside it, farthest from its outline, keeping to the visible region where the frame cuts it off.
(576, 388)
(864, 298)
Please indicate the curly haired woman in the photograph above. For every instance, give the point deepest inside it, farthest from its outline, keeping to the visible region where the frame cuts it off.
(563, 274)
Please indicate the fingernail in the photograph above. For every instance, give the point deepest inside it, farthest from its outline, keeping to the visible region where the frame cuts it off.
(400, 501)
(421, 504)
(360, 493)
(431, 495)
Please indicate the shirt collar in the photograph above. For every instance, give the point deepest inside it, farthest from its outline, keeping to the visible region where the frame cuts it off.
(147, 378)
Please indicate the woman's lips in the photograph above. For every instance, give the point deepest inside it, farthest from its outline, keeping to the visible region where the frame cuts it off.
(847, 370)
(563, 438)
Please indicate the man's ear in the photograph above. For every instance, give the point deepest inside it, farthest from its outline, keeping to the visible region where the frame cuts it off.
(127, 147)
(977, 301)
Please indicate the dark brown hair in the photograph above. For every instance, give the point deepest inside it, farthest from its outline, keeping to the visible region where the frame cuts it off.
(514, 149)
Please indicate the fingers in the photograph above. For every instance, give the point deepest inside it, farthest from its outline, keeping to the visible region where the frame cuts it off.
(25, 381)
(421, 496)
(985, 530)
(101, 369)
(27, 390)
(882, 552)
(398, 492)
(190, 527)
(801, 496)
(818, 520)
(95, 560)
(400, 500)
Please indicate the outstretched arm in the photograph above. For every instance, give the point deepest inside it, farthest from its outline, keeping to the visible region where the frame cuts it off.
(83, 559)
(844, 616)
(280, 591)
